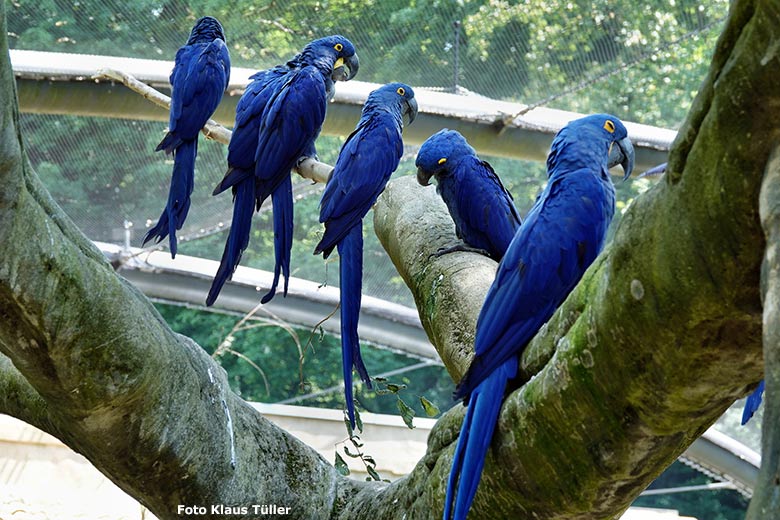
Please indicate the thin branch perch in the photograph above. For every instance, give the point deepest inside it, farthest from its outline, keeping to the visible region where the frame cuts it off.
(308, 168)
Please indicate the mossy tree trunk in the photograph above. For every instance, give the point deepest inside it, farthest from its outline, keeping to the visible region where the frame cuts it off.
(661, 336)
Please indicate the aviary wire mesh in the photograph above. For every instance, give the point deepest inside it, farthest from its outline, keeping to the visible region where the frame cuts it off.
(642, 61)
(525, 51)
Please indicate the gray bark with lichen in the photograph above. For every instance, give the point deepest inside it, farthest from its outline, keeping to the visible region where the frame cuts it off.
(661, 336)
(766, 497)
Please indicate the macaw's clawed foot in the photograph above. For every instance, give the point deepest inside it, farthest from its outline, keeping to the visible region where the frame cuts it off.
(458, 247)
(302, 158)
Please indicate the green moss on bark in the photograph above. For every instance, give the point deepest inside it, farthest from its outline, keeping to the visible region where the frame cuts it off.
(663, 333)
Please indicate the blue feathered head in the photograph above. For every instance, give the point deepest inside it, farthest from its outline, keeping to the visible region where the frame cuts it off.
(334, 55)
(440, 151)
(206, 29)
(396, 97)
(590, 140)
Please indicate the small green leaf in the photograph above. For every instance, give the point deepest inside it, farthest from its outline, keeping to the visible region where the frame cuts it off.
(341, 466)
(373, 473)
(395, 388)
(431, 410)
(350, 454)
(369, 460)
(407, 414)
(379, 379)
(348, 424)
(358, 421)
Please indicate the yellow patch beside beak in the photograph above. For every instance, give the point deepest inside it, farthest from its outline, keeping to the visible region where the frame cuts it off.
(442, 160)
(339, 63)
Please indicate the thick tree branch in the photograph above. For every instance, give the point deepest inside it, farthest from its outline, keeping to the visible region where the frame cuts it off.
(412, 223)
(96, 351)
(19, 399)
(664, 331)
(766, 497)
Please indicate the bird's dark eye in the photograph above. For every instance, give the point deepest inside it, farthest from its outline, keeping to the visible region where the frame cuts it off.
(401, 91)
(609, 126)
(338, 47)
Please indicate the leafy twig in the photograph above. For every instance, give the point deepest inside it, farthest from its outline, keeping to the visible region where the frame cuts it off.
(354, 439)
(243, 324)
(302, 352)
(254, 365)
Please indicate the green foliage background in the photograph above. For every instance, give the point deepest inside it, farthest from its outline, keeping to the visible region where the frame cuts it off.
(274, 351)
(524, 51)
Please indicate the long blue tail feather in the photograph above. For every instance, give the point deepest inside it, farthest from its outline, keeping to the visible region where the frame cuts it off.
(474, 440)
(178, 205)
(283, 235)
(752, 403)
(233, 177)
(350, 286)
(170, 142)
(238, 238)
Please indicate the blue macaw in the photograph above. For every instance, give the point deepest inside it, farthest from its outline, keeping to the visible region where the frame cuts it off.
(277, 121)
(367, 159)
(561, 236)
(200, 75)
(485, 216)
(753, 402)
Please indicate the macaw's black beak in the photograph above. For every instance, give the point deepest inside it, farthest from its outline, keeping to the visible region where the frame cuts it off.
(353, 64)
(345, 70)
(622, 154)
(423, 177)
(340, 73)
(410, 109)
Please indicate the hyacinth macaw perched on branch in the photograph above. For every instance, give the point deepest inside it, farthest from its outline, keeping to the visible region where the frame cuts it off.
(560, 238)
(277, 121)
(200, 75)
(485, 216)
(366, 160)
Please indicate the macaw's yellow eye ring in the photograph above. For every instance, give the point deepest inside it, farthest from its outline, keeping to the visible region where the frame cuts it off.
(609, 126)
(338, 47)
(401, 91)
